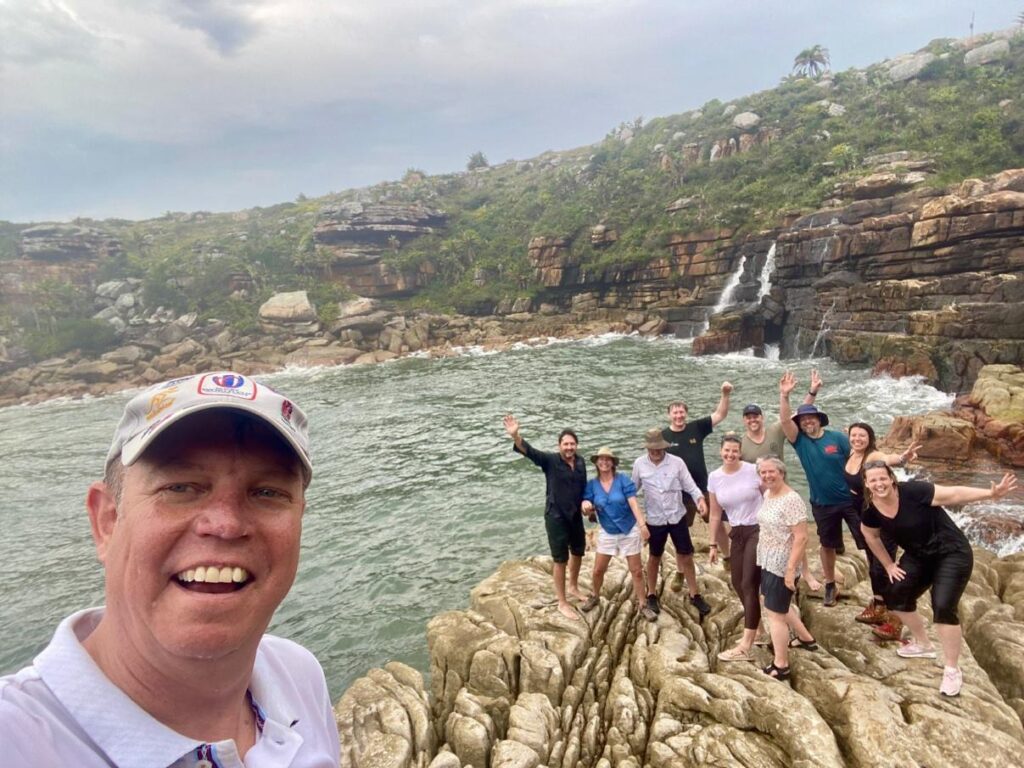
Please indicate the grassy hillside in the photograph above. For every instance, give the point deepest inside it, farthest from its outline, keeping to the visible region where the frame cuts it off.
(969, 120)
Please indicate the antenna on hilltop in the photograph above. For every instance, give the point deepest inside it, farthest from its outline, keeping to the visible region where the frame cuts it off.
(972, 24)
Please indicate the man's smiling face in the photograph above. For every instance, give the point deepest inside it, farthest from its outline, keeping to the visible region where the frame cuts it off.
(203, 544)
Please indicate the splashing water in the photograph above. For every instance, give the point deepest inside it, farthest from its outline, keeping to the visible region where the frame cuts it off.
(766, 274)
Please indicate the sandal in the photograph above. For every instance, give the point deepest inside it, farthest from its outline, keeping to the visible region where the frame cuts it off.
(778, 673)
(735, 654)
(590, 603)
(807, 645)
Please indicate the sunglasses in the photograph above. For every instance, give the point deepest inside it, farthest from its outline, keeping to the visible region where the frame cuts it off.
(876, 464)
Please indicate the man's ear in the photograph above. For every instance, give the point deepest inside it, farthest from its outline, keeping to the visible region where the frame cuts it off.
(102, 516)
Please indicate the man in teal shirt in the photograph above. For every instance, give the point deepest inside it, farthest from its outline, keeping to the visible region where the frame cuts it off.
(822, 453)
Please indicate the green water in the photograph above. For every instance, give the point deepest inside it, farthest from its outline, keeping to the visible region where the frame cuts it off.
(417, 495)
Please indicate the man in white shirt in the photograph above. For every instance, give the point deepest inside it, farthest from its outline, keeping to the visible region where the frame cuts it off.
(197, 523)
(661, 479)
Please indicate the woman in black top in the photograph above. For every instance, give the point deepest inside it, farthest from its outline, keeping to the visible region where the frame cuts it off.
(862, 449)
(936, 555)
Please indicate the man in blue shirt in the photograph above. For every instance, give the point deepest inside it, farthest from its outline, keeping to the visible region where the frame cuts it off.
(823, 453)
(566, 477)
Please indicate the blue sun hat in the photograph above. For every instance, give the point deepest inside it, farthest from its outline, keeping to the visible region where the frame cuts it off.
(810, 410)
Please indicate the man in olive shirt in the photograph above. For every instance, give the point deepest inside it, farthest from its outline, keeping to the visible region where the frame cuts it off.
(686, 440)
(759, 440)
(566, 477)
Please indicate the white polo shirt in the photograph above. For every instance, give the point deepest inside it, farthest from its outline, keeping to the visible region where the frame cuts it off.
(63, 711)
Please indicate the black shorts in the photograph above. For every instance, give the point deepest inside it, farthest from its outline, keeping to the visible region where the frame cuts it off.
(777, 596)
(829, 519)
(691, 509)
(565, 536)
(946, 574)
(680, 538)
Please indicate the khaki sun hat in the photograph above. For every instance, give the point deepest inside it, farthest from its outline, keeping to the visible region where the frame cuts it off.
(607, 452)
(654, 441)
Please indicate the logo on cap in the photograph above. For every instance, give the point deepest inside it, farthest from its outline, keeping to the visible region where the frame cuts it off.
(286, 410)
(229, 384)
(160, 402)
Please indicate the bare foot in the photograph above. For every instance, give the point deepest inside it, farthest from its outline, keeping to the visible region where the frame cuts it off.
(577, 593)
(568, 611)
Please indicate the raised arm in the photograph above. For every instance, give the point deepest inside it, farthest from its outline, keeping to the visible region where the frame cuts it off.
(786, 386)
(895, 459)
(723, 405)
(816, 384)
(955, 495)
(512, 427)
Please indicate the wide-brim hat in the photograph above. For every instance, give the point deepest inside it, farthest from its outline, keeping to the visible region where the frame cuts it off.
(654, 440)
(810, 410)
(606, 452)
(153, 410)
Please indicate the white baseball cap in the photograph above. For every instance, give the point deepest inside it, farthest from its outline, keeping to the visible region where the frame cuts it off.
(154, 409)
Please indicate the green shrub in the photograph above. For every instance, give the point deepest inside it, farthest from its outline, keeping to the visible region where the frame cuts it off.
(88, 335)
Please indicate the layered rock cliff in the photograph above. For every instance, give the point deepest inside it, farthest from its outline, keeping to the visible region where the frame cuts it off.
(926, 282)
(515, 685)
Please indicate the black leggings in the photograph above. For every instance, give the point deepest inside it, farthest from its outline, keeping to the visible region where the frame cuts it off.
(746, 573)
(947, 575)
(879, 578)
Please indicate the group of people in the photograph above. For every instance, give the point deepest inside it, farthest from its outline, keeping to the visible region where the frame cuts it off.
(758, 525)
(197, 523)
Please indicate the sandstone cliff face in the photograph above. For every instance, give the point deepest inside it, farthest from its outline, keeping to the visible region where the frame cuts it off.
(923, 282)
(356, 236)
(515, 685)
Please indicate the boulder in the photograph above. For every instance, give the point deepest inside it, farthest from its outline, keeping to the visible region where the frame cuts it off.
(746, 120)
(290, 307)
(907, 67)
(357, 307)
(988, 53)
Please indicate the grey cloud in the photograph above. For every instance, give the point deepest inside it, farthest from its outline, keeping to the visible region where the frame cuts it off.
(35, 32)
(225, 24)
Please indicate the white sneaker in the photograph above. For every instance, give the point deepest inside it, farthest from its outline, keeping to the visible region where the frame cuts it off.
(952, 681)
(911, 650)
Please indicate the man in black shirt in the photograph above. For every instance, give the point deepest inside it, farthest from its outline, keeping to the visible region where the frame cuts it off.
(686, 440)
(566, 476)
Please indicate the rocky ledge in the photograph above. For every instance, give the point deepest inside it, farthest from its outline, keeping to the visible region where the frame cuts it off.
(515, 685)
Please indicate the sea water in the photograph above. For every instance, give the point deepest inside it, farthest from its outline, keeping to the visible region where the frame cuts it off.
(417, 495)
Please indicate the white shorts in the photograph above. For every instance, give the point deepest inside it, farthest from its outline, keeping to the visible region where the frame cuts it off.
(619, 543)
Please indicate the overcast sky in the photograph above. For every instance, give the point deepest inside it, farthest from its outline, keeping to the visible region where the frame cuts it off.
(131, 108)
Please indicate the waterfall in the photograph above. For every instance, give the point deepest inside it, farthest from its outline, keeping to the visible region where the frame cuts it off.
(766, 274)
(771, 351)
(824, 329)
(725, 299)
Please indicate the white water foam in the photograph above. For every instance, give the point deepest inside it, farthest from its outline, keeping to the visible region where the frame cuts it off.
(766, 274)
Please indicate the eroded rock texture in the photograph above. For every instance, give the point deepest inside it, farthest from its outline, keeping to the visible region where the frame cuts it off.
(516, 685)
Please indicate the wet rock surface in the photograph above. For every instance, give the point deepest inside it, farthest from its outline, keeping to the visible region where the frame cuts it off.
(515, 684)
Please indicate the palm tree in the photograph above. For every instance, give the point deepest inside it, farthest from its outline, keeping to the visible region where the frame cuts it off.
(811, 61)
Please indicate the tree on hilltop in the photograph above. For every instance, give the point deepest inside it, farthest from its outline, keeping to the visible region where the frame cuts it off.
(811, 62)
(477, 160)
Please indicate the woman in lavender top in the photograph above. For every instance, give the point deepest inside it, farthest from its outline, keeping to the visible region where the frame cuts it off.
(735, 489)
